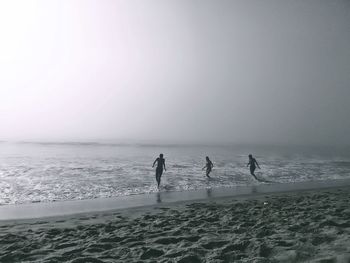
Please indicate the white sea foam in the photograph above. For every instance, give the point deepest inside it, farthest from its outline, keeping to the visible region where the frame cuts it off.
(49, 172)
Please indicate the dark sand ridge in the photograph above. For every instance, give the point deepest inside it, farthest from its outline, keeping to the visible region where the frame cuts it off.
(50, 209)
(296, 226)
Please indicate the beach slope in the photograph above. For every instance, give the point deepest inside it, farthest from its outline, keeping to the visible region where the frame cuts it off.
(307, 226)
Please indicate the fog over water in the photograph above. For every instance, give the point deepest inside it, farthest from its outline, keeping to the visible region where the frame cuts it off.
(177, 71)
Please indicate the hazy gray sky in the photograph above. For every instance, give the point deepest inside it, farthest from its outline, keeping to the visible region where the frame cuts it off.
(238, 71)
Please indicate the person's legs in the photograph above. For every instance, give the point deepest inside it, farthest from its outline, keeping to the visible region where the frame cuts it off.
(252, 169)
(208, 172)
(158, 176)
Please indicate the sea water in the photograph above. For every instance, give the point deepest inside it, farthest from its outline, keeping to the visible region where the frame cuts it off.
(47, 172)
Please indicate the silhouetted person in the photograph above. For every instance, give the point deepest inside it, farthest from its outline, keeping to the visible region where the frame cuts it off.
(209, 165)
(160, 164)
(252, 163)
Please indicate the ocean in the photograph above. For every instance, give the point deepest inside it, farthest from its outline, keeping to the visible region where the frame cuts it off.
(48, 172)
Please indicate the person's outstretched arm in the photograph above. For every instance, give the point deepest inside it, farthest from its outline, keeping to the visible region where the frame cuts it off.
(212, 165)
(257, 164)
(164, 165)
(154, 162)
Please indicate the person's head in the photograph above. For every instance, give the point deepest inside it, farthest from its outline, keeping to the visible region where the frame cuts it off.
(161, 155)
(250, 156)
(207, 158)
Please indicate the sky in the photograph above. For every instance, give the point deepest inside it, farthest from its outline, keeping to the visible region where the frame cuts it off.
(238, 71)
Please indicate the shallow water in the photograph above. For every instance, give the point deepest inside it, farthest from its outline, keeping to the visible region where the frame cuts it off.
(43, 172)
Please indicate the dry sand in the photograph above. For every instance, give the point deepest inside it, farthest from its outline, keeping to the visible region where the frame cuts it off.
(308, 226)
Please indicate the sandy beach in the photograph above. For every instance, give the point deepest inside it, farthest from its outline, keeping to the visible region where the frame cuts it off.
(302, 226)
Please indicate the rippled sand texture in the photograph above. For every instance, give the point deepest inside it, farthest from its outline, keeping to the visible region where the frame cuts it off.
(291, 227)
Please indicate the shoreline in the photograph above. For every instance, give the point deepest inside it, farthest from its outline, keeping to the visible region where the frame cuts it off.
(105, 205)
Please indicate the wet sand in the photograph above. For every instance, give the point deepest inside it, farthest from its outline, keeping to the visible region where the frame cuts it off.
(61, 208)
(303, 226)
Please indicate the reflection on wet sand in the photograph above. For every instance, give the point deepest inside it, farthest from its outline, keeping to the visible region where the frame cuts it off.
(159, 200)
